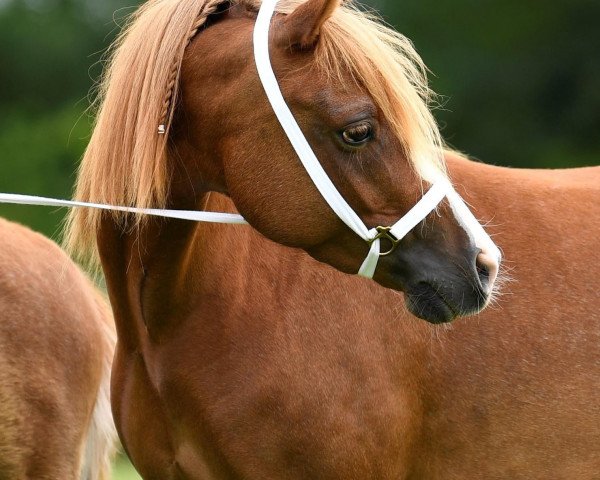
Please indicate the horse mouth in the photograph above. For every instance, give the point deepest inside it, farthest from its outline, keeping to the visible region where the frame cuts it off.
(428, 303)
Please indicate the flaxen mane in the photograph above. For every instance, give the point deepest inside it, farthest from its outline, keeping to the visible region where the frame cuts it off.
(126, 162)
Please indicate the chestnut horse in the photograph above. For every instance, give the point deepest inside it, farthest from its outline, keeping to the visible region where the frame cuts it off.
(56, 346)
(241, 358)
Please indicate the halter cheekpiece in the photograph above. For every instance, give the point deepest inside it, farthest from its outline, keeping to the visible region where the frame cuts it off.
(391, 234)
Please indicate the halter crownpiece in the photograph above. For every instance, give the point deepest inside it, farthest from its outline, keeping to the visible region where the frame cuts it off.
(392, 235)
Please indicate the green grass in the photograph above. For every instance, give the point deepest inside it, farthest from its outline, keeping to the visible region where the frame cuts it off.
(123, 470)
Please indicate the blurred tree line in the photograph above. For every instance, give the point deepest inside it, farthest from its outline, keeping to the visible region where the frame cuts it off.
(520, 83)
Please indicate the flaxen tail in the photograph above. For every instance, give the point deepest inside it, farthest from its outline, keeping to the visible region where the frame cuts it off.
(100, 446)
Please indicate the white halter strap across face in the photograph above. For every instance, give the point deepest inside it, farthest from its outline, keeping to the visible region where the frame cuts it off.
(439, 190)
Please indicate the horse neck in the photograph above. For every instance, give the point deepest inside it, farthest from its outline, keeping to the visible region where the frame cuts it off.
(146, 268)
(145, 271)
(503, 191)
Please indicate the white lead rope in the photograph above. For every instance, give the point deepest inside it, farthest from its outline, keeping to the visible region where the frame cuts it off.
(193, 215)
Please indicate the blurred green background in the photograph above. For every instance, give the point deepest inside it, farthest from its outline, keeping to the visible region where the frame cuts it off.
(520, 83)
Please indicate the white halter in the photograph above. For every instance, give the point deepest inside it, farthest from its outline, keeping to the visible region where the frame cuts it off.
(394, 234)
(441, 189)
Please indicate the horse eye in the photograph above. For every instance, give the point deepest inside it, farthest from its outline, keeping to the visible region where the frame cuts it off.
(357, 135)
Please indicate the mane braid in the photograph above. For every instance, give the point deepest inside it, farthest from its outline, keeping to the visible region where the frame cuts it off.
(126, 161)
(170, 97)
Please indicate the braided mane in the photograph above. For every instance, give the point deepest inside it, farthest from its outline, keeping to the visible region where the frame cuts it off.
(125, 162)
(171, 94)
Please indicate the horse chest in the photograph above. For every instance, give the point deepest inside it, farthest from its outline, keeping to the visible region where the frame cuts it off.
(251, 396)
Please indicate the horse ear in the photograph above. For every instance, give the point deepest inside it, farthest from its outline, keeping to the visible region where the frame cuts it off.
(301, 28)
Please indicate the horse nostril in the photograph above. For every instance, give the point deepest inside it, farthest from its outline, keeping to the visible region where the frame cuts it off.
(483, 272)
(487, 270)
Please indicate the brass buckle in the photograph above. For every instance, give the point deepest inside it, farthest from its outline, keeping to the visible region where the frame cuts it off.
(384, 233)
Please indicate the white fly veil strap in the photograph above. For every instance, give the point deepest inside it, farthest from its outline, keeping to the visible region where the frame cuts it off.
(395, 233)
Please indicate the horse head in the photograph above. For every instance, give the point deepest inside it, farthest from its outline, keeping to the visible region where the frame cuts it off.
(359, 93)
